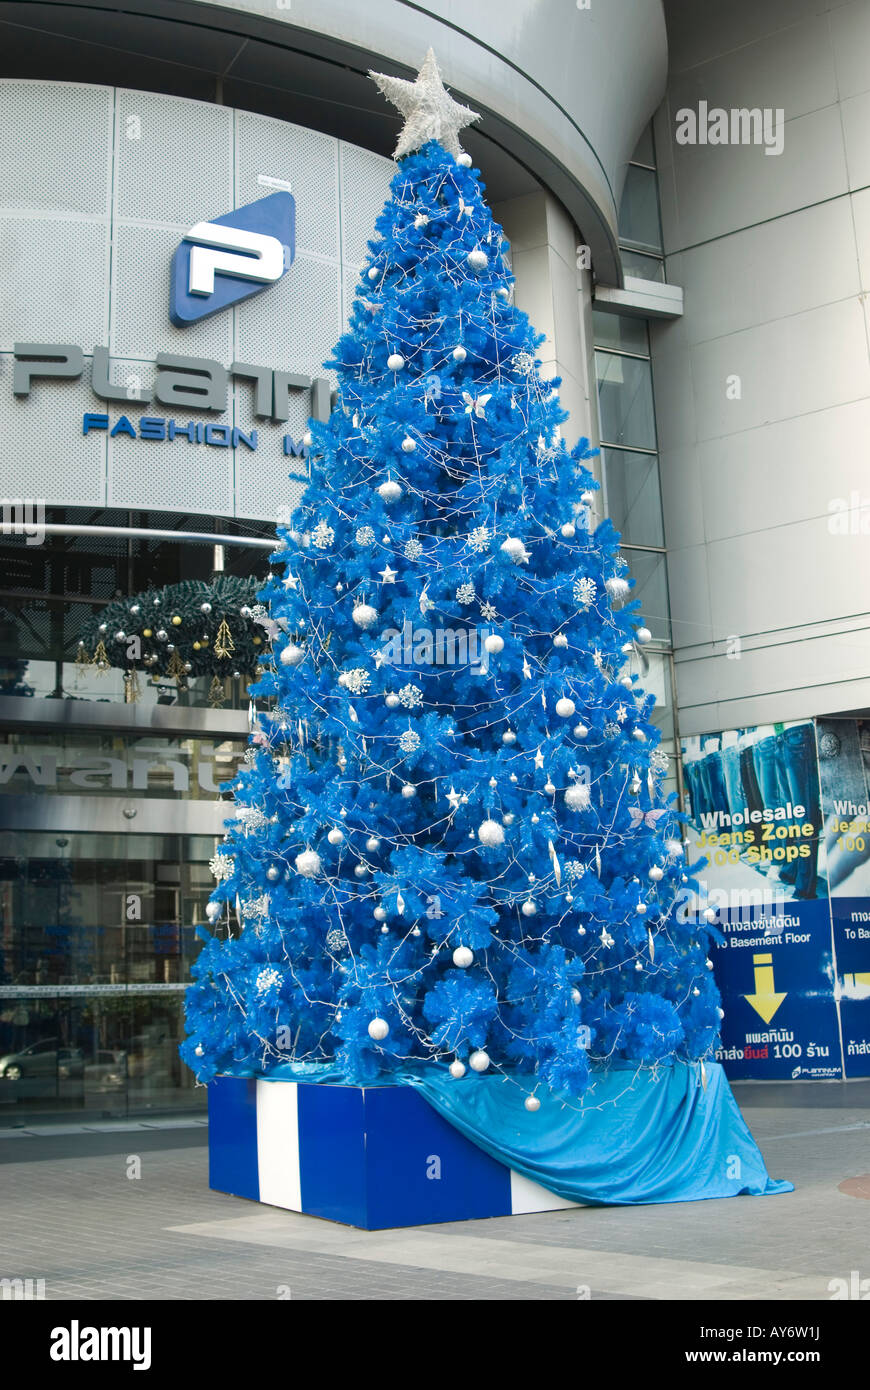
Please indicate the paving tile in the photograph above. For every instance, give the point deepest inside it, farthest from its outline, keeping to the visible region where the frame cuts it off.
(69, 1214)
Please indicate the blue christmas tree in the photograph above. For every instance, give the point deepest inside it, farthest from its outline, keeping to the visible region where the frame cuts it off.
(450, 841)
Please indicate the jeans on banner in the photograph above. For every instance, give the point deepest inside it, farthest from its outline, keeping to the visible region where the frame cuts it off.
(694, 781)
(773, 787)
(748, 775)
(715, 782)
(689, 784)
(767, 767)
(733, 780)
(797, 750)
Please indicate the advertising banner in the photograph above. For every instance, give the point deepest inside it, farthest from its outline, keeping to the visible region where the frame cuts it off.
(780, 814)
(844, 774)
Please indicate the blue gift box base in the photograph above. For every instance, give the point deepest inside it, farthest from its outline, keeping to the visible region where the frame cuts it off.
(373, 1157)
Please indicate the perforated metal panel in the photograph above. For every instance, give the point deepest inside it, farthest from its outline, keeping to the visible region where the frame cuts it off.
(140, 300)
(365, 184)
(174, 162)
(176, 474)
(296, 323)
(350, 281)
(49, 127)
(44, 454)
(307, 160)
(173, 158)
(263, 478)
(55, 278)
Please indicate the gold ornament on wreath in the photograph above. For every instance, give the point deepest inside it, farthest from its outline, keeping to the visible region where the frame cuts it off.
(176, 670)
(224, 645)
(132, 688)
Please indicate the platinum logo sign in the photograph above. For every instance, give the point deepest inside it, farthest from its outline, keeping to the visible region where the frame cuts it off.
(219, 249)
(222, 262)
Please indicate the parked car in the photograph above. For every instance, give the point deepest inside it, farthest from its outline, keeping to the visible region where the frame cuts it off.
(43, 1060)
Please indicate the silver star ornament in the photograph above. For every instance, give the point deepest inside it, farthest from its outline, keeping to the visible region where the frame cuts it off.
(429, 110)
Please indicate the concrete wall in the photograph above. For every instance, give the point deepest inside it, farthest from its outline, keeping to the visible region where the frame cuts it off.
(770, 607)
(557, 298)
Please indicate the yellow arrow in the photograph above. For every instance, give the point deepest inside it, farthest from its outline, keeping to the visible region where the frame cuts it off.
(765, 1001)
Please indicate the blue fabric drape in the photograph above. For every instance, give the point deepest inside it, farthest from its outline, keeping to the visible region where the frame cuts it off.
(636, 1137)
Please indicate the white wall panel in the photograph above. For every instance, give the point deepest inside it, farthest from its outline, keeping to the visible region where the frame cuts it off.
(173, 158)
(769, 271)
(307, 160)
(268, 480)
(44, 454)
(788, 367)
(850, 44)
(791, 69)
(64, 162)
(295, 323)
(789, 471)
(54, 273)
(856, 137)
(174, 475)
(722, 188)
(698, 32)
(365, 183)
(689, 588)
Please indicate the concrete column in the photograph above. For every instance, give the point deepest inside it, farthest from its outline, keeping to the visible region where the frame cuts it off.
(557, 298)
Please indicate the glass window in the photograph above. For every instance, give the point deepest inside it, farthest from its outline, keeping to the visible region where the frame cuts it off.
(645, 151)
(642, 267)
(38, 649)
(97, 936)
(625, 401)
(633, 497)
(639, 222)
(649, 571)
(620, 332)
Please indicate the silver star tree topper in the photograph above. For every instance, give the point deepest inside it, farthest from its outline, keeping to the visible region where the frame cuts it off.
(429, 110)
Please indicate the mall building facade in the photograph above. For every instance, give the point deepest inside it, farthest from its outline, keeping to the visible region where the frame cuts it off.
(703, 305)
